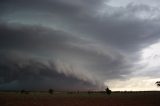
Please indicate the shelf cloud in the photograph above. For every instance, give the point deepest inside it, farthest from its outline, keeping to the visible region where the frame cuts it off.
(85, 43)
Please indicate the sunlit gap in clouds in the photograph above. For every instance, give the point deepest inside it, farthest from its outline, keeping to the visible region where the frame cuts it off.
(151, 55)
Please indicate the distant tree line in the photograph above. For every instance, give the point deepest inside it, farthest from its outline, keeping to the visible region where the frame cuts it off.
(51, 91)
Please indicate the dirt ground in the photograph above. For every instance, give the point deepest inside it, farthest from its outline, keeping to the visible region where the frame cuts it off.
(81, 99)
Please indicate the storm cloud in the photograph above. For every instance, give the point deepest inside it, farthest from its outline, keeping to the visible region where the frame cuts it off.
(99, 40)
(27, 73)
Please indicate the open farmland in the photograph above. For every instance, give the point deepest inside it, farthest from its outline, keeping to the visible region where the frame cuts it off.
(80, 99)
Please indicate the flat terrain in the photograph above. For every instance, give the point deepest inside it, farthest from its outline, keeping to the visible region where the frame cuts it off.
(80, 99)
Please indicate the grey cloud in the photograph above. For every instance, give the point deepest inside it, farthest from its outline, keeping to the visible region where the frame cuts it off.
(29, 73)
(109, 28)
(91, 58)
(123, 29)
(122, 23)
(17, 40)
(23, 37)
(58, 6)
(116, 34)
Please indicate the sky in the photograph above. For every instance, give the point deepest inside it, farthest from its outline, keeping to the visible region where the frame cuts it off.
(79, 44)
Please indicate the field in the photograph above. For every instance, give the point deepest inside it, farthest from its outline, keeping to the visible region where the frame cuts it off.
(80, 99)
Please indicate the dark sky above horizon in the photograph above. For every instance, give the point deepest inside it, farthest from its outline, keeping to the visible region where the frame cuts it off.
(79, 44)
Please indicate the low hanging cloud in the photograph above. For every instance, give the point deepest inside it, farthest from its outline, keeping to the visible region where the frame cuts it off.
(21, 68)
(98, 39)
(29, 73)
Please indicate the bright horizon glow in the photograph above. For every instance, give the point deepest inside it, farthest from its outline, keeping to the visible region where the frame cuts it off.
(133, 84)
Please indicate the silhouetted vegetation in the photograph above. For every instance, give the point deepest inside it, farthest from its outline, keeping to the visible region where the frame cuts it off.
(24, 91)
(50, 91)
(70, 92)
(108, 91)
(158, 83)
(89, 92)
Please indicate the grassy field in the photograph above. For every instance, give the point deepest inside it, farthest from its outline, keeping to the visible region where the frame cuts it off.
(80, 99)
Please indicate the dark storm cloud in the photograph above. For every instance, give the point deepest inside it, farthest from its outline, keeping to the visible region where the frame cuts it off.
(19, 37)
(82, 16)
(123, 28)
(41, 40)
(102, 40)
(37, 39)
(57, 6)
(28, 73)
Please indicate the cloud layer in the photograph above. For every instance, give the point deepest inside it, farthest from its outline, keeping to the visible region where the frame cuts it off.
(26, 73)
(100, 40)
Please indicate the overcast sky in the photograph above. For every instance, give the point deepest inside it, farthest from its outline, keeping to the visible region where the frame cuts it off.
(79, 44)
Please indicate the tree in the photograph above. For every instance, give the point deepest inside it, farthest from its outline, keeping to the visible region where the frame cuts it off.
(158, 83)
(108, 91)
(24, 91)
(50, 91)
